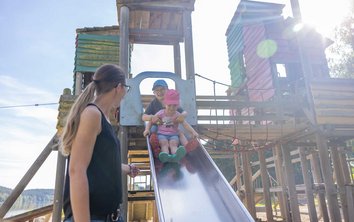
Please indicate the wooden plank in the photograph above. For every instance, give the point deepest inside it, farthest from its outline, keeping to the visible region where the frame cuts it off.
(159, 6)
(249, 194)
(340, 182)
(154, 32)
(265, 185)
(30, 215)
(315, 167)
(331, 192)
(16, 192)
(334, 113)
(335, 120)
(332, 96)
(294, 206)
(268, 117)
(308, 185)
(278, 159)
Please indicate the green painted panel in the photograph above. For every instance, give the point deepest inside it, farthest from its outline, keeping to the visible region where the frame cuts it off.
(93, 50)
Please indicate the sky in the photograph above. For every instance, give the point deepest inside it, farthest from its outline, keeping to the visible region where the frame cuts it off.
(37, 47)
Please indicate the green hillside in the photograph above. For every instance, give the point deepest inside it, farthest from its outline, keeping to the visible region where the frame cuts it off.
(29, 199)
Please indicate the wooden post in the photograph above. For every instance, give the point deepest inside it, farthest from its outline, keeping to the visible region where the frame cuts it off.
(78, 83)
(331, 191)
(238, 174)
(59, 188)
(283, 200)
(124, 40)
(265, 185)
(318, 179)
(340, 182)
(347, 185)
(294, 206)
(188, 45)
(308, 185)
(124, 64)
(247, 178)
(344, 165)
(177, 59)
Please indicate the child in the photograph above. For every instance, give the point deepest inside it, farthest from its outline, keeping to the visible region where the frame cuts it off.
(168, 131)
(159, 89)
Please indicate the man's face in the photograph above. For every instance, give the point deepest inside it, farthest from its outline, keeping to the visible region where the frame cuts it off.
(159, 92)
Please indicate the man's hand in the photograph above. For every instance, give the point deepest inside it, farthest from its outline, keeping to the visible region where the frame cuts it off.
(146, 132)
(156, 120)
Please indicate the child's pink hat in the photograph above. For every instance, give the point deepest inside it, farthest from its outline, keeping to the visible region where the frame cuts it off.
(171, 97)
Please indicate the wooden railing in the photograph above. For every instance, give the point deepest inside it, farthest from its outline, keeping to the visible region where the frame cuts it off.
(31, 215)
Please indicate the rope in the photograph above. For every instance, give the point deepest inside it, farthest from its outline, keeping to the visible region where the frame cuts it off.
(19, 106)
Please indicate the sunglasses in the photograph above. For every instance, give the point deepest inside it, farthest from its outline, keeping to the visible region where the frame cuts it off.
(124, 85)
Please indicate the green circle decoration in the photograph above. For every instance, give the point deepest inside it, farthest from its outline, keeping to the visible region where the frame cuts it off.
(266, 48)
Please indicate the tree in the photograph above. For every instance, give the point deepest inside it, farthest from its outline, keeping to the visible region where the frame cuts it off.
(341, 53)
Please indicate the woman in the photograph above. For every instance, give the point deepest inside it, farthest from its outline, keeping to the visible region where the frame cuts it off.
(93, 186)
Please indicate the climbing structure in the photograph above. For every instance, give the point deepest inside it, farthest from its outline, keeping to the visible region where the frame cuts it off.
(281, 113)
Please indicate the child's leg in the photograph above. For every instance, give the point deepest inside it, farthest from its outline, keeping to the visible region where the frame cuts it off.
(173, 144)
(163, 141)
(164, 155)
(164, 145)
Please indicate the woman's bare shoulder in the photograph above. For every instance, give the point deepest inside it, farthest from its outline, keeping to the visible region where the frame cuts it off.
(91, 113)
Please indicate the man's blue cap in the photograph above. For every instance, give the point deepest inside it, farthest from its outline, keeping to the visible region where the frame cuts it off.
(159, 82)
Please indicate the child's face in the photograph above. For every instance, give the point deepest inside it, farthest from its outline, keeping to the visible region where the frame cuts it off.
(159, 92)
(171, 108)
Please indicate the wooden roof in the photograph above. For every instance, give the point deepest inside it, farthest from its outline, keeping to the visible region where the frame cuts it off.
(156, 21)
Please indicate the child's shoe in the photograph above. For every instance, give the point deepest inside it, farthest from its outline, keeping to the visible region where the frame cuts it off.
(180, 153)
(164, 157)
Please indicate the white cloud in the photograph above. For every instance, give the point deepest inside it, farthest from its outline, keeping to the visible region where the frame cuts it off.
(25, 131)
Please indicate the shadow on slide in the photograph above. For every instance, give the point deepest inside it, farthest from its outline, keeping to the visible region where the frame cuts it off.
(194, 190)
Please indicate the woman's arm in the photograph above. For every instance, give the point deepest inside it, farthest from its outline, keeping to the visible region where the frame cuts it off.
(80, 157)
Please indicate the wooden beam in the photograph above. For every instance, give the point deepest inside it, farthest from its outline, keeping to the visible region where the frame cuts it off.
(315, 167)
(280, 179)
(249, 193)
(294, 206)
(30, 215)
(340, 182)
(308, 184)
(331, 191)
(16, 192)
(265, 185)
(124, 64)
(177, 59)
(347, 182)
(58, 189)
(188, 45)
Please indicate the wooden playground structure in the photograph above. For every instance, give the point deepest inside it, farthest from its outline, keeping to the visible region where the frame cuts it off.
(281, 109)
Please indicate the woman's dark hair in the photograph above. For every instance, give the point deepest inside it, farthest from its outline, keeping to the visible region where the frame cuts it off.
(106, 78)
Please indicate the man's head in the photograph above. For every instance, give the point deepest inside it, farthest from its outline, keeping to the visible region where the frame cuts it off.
(159, 88)
(159, 83)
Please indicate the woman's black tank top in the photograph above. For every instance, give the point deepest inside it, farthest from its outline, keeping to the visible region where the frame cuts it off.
(104, 174)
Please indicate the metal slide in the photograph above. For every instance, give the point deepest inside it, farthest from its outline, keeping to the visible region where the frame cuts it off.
(194, 190)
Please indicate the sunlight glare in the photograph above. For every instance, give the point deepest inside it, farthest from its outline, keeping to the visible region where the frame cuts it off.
(324, 15)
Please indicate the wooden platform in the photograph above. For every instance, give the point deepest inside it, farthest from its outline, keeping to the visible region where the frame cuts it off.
(156, 22)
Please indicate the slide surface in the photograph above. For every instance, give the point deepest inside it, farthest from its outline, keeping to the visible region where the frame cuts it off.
(194, 190)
